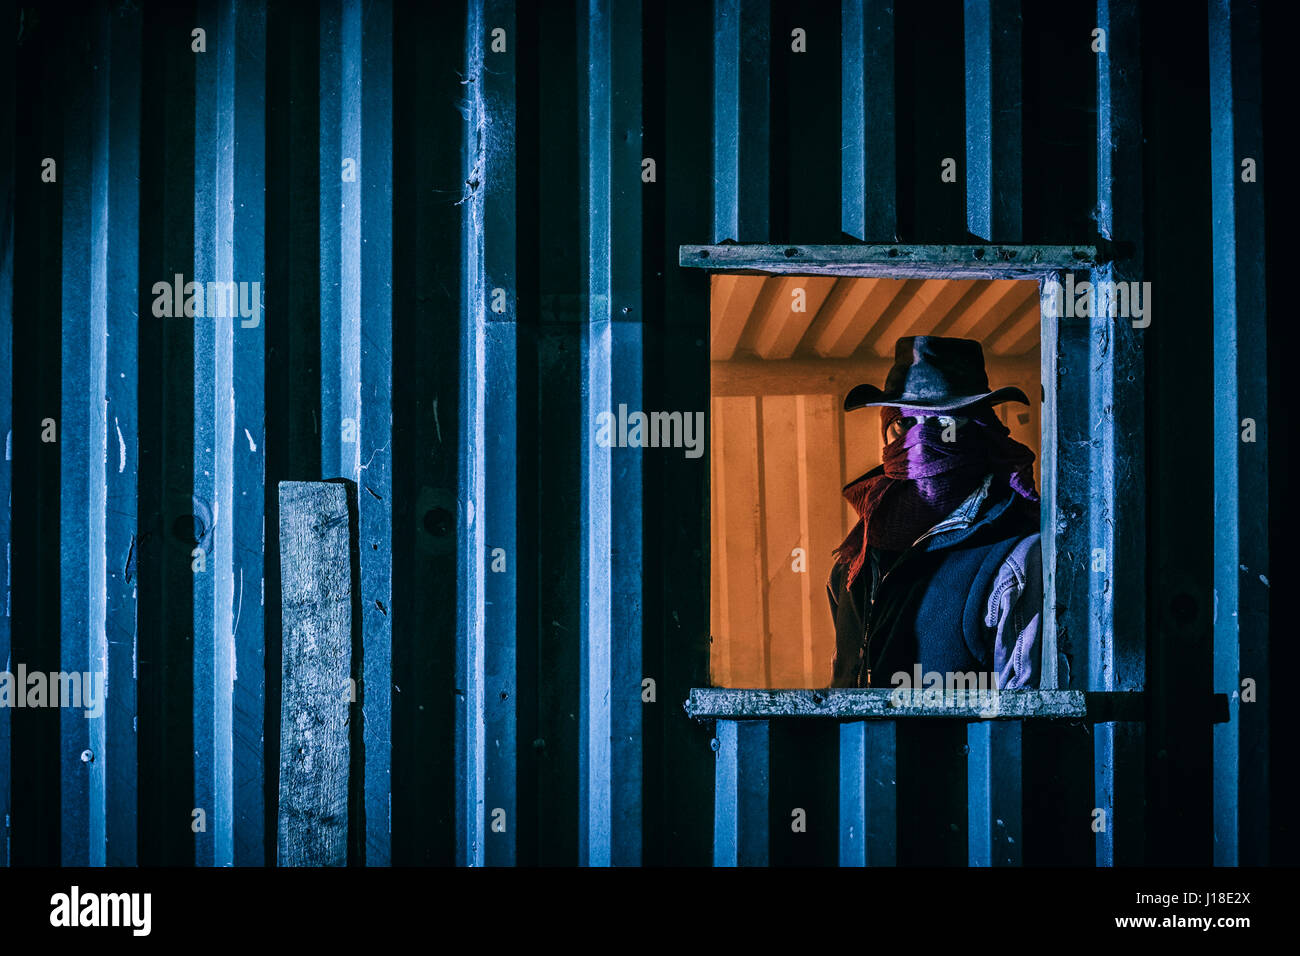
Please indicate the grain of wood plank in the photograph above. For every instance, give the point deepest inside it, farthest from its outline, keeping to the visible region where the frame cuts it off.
(988, 261)
(782, 535)
(316, 604)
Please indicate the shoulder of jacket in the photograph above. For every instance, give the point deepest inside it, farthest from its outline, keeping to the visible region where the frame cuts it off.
(836, 580)
(1020, 570)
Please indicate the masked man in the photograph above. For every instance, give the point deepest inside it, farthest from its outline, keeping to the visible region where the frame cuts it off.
(943, 567)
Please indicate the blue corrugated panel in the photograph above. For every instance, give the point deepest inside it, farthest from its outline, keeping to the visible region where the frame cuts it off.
(853, 797)
(881, 792)
(230, 501)
(120, 110)
(625, 313)
(594, 823)
(867, 161)
(1241, 746)
(726, 794)
(612, 477)
(741, 787)
(993, 211)
(741, 130)
(81, 454)
(209, 217)
(7, 87)
(356, 357)
(993, 107)
(240, 382)
(495, 243)
(471, 523)
(368, 71)
(1117, 651)
(339, 218)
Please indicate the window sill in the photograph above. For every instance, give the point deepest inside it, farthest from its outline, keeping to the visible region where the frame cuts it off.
(882, 704)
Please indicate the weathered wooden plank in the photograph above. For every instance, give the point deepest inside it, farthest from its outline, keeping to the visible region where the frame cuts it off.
(994, 261)
(881, 703)
(1241, 519)
(316, 666)
(1049, 464)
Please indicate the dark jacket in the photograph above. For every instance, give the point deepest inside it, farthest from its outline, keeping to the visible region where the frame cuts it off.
(964, 598)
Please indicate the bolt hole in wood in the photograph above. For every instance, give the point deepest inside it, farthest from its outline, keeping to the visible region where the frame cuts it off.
(784, 350)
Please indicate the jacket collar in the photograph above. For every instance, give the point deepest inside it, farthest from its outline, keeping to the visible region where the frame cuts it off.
(964, 513)
(979, 509)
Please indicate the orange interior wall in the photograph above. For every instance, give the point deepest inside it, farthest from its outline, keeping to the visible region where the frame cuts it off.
(778, 464)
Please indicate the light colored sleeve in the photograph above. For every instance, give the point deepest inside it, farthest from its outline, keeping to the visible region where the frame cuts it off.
(1014, 615)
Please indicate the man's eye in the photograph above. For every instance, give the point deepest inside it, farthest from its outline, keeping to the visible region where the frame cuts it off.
(898, 427)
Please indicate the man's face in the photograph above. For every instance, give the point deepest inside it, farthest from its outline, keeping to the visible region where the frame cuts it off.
(903, 424)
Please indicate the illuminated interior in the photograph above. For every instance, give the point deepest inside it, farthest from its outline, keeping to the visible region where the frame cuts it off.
(785, 350)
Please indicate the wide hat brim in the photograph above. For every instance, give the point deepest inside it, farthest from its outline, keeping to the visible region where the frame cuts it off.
(869, 396)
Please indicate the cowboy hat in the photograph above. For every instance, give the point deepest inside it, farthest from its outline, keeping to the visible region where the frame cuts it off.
(935, 372)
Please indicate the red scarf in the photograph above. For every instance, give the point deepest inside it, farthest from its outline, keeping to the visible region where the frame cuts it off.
(925, 478)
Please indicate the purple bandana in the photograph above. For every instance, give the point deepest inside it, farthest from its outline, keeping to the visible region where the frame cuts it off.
(925, 478)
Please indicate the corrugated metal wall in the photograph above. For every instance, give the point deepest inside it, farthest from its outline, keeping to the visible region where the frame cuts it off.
(463, 254)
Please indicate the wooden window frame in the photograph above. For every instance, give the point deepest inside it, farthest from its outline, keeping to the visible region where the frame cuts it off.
(899, 261)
